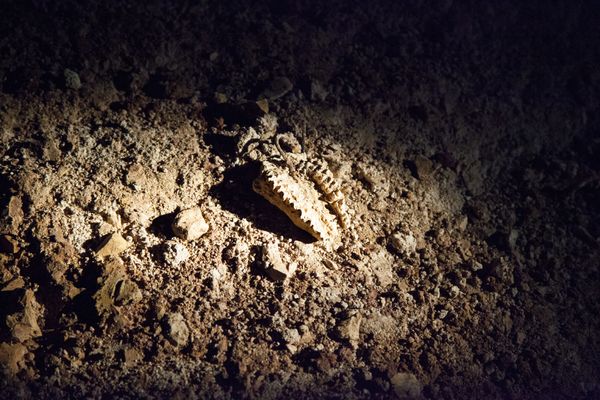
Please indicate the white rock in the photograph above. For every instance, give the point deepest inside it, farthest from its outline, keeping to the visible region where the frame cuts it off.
(454, 292)
(291, 348)
(175, 253)
(291, 336)
(190, 224)
(404, 243)
(274, 266)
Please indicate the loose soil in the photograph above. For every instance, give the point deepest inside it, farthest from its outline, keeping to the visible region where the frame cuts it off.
(465, 136)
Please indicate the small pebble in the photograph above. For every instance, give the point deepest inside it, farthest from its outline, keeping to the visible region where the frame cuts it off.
(175, 253)
(72, 80)
(404, 243)
(274, 266)
(349, 329)
(112, 245)
(190, 224)
(176, 329)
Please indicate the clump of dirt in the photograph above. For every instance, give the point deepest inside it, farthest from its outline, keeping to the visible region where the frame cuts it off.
(137, 260)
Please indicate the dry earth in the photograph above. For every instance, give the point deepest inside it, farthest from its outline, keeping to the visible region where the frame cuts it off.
(465, 136)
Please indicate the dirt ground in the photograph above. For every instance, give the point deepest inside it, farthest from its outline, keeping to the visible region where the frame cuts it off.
(464, 135)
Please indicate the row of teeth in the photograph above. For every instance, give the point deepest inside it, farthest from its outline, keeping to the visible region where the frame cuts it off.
(326, 230)
(333, 194)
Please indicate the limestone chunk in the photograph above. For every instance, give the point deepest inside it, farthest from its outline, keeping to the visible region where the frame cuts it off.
(12, 357)
(112, 245)
(175, 253)
(274, 266)
(115, 289)
(404, 243)
(177, 330)
(348, 328)
(190, 224)
(23, 324)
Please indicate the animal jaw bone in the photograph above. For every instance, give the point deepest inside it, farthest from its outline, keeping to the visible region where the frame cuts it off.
(319, 173)
(304, 189)
(298, 199)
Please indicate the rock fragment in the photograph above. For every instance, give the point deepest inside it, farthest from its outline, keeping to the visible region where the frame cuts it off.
(513, 235)
(15, 212)
(12, 357)
(236, 254)
(190, 224)
(23, 322)
(274, 266)
(253, 110)
(263, 106)
(126, 292)
(175, 253)
(374, 179)
(176, 329)
(136, 177)
(220, 98)
(291, 336)
(422, 167)
(5, 275)
(382, 266)
(113, 245)
(277, 88)
(463, 222)
(406, 385)
(115, 289)
(130, 356)
(13, 284)
(348, 329)
(57, 258)
(51, 151)
(404, 243)
(72, 80)
(475, 265)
